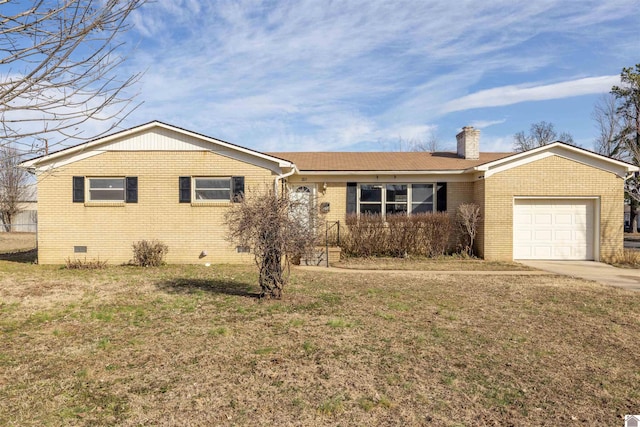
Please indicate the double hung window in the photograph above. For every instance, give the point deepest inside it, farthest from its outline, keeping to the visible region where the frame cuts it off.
(106, 189)
(212, 189)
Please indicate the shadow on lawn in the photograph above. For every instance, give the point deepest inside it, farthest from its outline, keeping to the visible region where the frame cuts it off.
(27, 257)
(214, 286)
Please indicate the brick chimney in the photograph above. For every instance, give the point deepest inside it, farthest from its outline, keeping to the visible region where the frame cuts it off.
(469, 143)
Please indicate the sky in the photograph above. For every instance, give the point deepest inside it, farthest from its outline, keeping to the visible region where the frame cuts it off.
(372, 75)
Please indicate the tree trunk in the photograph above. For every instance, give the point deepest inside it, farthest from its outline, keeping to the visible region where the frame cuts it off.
(633, 215)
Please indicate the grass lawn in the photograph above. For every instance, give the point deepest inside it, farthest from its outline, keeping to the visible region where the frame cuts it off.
(446, 263)
(16, 242)
(191, 345)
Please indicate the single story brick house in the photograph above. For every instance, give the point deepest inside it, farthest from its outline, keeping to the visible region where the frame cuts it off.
(158, 181)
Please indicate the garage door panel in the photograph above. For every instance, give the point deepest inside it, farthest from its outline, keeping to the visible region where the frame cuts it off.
(542, 219)
(553, 229)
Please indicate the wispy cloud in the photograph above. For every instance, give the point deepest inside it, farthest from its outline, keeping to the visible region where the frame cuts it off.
(482, 124)
(513, 94)
(312, 75)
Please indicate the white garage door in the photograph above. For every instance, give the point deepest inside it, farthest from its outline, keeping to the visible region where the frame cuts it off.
(553, 229)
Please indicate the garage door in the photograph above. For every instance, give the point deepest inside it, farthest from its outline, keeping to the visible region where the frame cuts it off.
(553, 229)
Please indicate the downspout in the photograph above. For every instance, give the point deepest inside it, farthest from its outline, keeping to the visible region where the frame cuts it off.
(283, 176)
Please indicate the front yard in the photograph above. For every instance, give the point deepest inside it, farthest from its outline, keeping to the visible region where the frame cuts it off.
(191, 345)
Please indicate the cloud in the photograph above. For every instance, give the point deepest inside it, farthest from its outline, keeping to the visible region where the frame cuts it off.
(481, 124)
(315, 75)
(513, 94)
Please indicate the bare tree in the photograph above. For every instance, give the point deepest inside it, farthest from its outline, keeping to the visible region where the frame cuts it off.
(277, 229)
(58, 65)
(468, 220)
(430, 144)
(541, 133)
(609, 126)
(627, 97)
(13, 184)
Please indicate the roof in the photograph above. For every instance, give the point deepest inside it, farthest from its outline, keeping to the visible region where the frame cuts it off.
(80, 151)
(384, 161)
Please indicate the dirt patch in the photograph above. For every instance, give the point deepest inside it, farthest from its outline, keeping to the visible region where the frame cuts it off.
(190, 345)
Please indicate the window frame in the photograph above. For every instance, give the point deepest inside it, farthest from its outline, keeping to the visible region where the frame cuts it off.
(194, 189)
(384, 202)
(88, 189)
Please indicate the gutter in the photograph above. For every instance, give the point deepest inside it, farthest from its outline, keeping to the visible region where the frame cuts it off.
(283, 176)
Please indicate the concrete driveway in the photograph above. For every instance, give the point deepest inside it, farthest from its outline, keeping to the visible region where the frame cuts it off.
(626, 278)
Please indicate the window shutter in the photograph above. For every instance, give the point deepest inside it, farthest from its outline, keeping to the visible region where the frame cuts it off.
(131, 195)
(237, 189)
(78, 189)
(352, 197)
(441, 197)
(185, 189)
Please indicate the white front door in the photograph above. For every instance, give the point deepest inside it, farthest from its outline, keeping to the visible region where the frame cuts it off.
(301, 197)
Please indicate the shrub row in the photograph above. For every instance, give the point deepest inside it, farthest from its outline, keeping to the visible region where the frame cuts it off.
(426, 234)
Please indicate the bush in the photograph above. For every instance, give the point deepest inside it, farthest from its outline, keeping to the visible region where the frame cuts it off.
(426, 234)
(83, 264)
(149, 253)
(468, 220)
(629, 258)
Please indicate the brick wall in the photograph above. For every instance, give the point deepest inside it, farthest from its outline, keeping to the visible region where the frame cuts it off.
(553, 177)
(108, 231)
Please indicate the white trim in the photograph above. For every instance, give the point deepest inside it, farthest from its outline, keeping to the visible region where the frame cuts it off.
(71, 152)
(88, 189)
(560, 149)
(372, 177)
(383, 196)
(194, 199)
(596, 218)
(385, 173)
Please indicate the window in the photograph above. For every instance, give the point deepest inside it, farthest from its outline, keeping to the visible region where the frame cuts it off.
(421, 198)
(212, 189)
(370, 199)
(390, 199)
(396, 199)
(106, 189)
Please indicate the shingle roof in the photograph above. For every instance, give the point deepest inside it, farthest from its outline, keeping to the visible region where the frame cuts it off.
(384, 161)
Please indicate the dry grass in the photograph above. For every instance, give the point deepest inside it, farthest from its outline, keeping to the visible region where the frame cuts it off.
(192, 345)
(445, 263)
(628, 258)
(17, 242)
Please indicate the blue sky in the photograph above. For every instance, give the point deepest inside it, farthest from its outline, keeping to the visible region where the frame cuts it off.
(352, 75)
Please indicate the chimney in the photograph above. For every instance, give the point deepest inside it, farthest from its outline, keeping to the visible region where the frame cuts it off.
(469, 143)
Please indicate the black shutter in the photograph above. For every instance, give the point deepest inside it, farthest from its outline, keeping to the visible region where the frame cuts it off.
(132, 189)
(185, 189)
(441, 196)
(352, 197)
(237, 189)
(78, 189)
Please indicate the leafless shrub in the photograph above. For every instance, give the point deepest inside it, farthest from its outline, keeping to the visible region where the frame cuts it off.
(149, 253)
(468, 221)
(278, 229)
(84, 264)
(400, 235)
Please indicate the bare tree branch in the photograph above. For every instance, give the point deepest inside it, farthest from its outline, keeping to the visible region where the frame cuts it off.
(277, 228)
(58, 65)
(609, 126)
(541, 133)
(13, 184)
